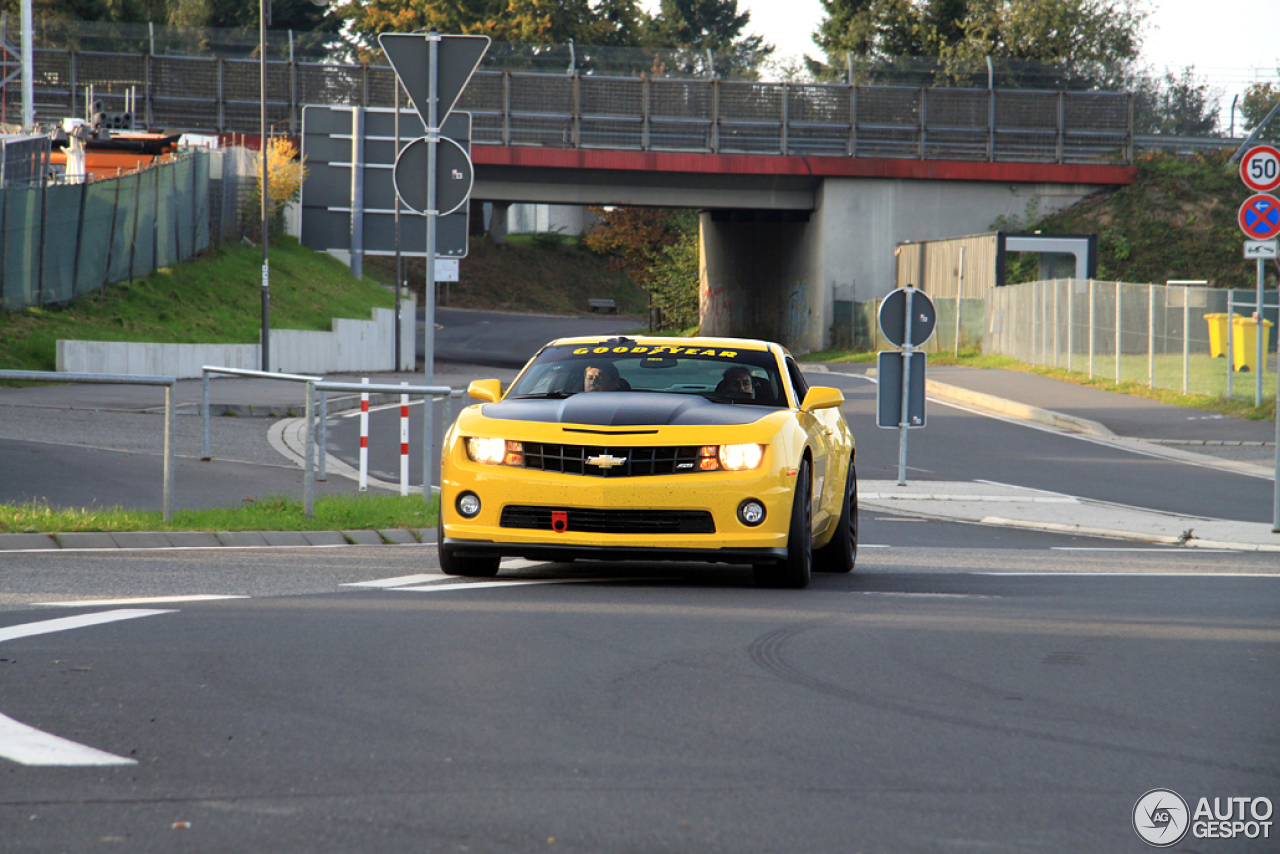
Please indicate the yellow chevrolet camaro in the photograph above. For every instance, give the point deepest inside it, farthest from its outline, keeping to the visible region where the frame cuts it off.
(707, 449)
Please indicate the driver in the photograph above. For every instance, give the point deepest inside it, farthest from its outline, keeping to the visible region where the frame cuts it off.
(737, 378)
(601, 376)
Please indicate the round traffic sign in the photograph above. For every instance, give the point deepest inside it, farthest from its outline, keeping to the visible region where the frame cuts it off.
(454, 175)
(893, 317)
(1260, 169)
(1259, 217)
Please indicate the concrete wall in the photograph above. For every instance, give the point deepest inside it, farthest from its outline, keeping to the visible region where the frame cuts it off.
(779, 280)
(353, 345)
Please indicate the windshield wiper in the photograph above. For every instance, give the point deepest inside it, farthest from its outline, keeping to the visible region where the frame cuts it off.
(543, 395)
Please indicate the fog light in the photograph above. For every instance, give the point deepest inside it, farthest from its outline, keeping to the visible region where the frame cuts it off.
(469, 504)
(751, 512)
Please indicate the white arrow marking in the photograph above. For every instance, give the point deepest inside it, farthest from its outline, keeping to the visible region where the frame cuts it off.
(27, 745)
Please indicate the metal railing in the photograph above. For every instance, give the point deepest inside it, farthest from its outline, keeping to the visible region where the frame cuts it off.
(116, 379)
(428, 394)
(208, 370)
(642, 112)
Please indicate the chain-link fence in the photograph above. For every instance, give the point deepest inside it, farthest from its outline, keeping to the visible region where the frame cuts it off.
(60, 241)
(1183, 338)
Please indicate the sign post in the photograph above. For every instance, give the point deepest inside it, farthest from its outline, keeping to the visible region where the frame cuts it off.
(907, 319)
(1259, 219)
(433, 69)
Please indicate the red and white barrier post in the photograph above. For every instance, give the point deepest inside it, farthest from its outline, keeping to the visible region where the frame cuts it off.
(404, 443)
(364, 438)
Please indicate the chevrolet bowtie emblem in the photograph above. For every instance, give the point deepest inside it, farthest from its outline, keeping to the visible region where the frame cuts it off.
(606, 461)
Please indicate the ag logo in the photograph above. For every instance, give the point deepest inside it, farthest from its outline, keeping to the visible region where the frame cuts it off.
(1160, 817)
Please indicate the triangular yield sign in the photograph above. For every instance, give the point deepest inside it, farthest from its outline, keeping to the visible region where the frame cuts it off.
(410, 56)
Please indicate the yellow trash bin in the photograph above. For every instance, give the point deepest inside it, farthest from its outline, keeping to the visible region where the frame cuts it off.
(1217, 334)
(1244, 342)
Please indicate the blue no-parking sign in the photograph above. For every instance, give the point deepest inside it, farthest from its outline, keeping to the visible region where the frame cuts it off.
(1259, 217)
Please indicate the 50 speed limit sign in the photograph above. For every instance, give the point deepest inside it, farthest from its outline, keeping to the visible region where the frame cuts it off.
(1260, 169)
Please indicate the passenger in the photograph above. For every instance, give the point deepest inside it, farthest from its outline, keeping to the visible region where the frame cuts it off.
(601, 376)
(737, 378)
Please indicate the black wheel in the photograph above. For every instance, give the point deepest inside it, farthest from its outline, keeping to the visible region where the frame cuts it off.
(453, 564)
(796, 569)
(841, 553)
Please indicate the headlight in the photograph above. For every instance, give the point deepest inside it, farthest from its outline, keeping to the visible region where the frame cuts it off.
(495, 451)
(740, 457)
(730, 457)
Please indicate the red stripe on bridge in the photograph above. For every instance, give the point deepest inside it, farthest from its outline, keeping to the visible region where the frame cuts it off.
(818, 167)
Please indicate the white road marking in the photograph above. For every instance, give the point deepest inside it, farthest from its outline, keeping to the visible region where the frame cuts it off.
(61, 624)
(142, 600)
(27, 745)
(1162, 549)
(399, 581)
(475, 585)
(1066, 573)
(521, 563)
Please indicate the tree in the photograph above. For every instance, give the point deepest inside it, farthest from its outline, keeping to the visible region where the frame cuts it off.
(524, 21)
(1182, 105)
(1259, 99)
(703, 25)
(1098, 31)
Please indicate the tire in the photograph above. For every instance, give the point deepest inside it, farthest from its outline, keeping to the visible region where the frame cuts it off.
(841, 553)
(452, 564)
(796, 570)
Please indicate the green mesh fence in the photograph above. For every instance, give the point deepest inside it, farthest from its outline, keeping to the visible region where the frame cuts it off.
(63, 240)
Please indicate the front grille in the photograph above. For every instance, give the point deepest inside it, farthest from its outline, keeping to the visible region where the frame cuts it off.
(639, 462)
(613, 521)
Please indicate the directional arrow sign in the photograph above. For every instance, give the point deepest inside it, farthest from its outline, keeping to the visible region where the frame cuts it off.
(454, 176)
(457, 59)
(1259, 217)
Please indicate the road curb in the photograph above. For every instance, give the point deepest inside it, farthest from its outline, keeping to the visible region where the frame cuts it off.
(1132, 536)
(134, 540)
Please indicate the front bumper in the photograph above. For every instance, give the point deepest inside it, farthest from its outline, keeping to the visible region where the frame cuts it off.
(716, 493)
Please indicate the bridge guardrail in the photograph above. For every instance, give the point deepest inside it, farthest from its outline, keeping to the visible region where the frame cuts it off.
(645, 113)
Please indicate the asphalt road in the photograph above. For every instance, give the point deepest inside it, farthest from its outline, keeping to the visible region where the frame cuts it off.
(510, 340)
(920, 704)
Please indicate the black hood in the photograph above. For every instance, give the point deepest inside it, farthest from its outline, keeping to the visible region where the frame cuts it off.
(628, 409)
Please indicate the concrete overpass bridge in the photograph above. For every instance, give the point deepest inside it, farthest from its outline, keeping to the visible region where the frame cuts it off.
(805, 189)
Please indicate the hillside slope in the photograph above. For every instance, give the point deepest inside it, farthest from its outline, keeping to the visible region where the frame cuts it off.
(542, 273)
(1177, 221)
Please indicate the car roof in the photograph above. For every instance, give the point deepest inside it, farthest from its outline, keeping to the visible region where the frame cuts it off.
(658, 341)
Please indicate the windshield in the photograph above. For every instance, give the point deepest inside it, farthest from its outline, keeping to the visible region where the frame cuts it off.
(721, 374)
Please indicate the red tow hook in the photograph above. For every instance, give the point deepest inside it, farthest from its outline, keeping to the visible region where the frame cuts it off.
(559, 521)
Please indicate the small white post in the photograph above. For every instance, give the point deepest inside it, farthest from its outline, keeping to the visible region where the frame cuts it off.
(959, 296)
(1118, 324)
(1091, 329)
(1151, 336)
(1186, 337)
(404, 443)
(1071, 320)
(364, 438)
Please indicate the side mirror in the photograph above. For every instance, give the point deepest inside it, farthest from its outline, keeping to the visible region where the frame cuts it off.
(489, 391)
(821, 397)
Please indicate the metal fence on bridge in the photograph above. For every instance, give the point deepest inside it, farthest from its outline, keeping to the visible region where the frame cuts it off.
(584, 109)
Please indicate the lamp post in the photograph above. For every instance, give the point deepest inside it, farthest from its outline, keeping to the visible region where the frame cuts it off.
(264, 7)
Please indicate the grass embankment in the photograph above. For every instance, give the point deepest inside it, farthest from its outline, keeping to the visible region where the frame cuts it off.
(278, 513)
(215, 298)
(1176, 221)
(543, 273)
(1235, 407)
